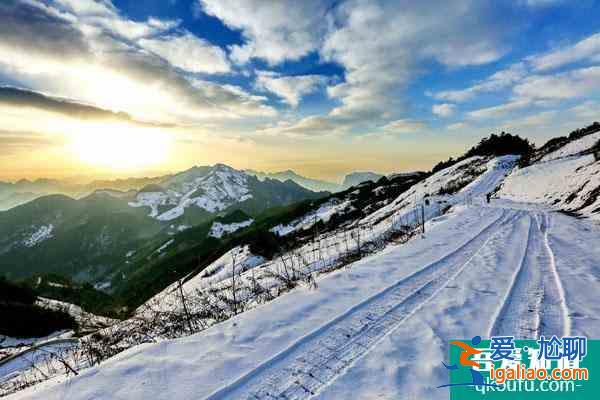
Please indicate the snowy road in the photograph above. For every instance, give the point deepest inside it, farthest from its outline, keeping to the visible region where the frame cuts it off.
(526, 273)
(381, 328)
(533, 303)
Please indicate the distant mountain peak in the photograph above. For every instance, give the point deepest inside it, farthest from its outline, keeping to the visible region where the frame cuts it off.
(307, 183)
(225, 167)
(208, 190)
(355, 178)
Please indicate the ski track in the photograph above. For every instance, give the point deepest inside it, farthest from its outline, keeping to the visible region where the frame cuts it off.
(535, 301)
(319, 358)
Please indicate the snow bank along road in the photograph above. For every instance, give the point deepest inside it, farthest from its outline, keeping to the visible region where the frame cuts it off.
(380, 328)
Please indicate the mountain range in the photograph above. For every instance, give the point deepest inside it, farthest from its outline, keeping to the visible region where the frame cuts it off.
(91, 238)
(349, 180)
(309, 183)
(13, 194)
(22, 191)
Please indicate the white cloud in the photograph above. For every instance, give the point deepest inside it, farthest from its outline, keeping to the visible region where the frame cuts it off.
(587, 110)
(312, 126)
(526, 84)
(404, 126)
(290, 88)
(587, 49)
(443, 110)
(382, 44)
(500, 110)
(189, 53)
(102, 68)
(275, 31)
(533, 120)
(499, 80)
(457, 126)
(565, 85)
(102, 15)
(233, 101)
(531, 91)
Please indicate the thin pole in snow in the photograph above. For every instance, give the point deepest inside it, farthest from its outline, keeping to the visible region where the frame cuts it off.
(423, 217)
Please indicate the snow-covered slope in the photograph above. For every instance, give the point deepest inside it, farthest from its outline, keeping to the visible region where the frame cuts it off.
(563, 179)
(323, 213)
(477, 175)
(574, 147)
(361, 331)
(220, 270)
(83, 318)
(469, 178)
(358, 333)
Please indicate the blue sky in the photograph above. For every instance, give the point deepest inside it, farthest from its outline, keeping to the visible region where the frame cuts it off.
(323, 87)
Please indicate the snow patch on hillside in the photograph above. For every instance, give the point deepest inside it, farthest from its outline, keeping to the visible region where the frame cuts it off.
(152, 200)
(44, 232)
(323, 213)
(218, 229)
(164, 246)
(83, 318)
(574, 147)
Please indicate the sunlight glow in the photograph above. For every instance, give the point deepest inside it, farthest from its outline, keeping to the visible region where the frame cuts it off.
(120, 146)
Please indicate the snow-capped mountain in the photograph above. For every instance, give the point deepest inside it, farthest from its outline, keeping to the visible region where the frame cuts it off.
(210, 190)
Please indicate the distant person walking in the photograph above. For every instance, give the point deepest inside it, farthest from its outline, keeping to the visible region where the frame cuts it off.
(488, 197)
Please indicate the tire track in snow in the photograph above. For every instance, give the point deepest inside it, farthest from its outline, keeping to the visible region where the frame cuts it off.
(502, 323)
(555, 313)
(319, 358)
(534, 303)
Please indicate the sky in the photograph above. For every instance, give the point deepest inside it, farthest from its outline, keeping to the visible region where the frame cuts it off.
(133, 87)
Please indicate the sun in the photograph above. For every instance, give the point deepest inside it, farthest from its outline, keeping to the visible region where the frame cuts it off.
(119, 146)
